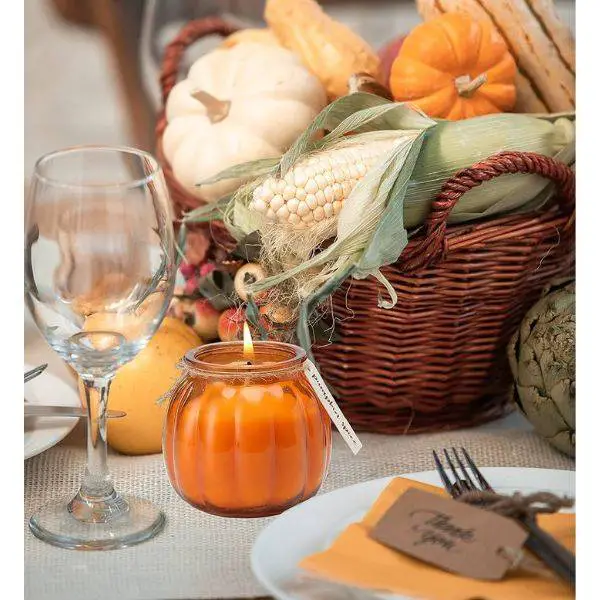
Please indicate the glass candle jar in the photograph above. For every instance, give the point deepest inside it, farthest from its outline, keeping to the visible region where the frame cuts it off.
(246, 438)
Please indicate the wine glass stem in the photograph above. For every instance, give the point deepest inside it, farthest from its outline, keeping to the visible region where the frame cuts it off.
(96, 501)
(97, 481)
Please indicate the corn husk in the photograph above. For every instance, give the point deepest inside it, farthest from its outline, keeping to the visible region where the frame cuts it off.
(455, 145)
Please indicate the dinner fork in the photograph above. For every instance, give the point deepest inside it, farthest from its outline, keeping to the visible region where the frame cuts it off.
(540, 543)
(29, 375)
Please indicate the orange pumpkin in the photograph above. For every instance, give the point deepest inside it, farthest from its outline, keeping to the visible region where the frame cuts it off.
(454, 67)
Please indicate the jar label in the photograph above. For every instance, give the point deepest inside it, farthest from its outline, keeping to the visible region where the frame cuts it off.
(332, 408)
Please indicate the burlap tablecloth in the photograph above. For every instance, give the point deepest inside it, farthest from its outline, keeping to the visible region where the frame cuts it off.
(201, 556)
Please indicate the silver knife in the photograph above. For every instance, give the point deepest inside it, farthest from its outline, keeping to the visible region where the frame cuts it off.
(38, 410)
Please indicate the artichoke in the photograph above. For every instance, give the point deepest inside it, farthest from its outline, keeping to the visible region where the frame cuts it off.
(542, 360)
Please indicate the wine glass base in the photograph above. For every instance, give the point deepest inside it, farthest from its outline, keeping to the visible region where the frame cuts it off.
(54, 524)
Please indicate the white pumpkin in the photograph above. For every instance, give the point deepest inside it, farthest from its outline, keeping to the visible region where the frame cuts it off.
(237, 104)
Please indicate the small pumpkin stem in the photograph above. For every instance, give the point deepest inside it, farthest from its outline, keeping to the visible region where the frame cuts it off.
(466, 87)
(216, 109)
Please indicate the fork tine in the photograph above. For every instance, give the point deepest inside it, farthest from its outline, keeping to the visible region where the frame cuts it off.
(459, 482)
(442, 473)
(478, 474)
(467, 478)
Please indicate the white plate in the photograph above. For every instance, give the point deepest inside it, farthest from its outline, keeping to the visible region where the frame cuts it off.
(313, 525)
(42, 433)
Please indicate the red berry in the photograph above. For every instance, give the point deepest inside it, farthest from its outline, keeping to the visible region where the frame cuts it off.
(191, 285)
(187, 270)
(206, 268)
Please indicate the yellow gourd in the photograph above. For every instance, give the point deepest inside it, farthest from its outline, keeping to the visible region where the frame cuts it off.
(140, 383)
(329, 49)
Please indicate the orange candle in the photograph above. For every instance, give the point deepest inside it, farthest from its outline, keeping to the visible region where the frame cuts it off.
(246, 437)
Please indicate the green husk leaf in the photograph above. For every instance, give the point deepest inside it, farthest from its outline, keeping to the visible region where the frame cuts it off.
(381, 301)
(390, 237)
(308, 305)
(329, 118)
(253, 316)
(248, 248)
(252, 168)
(208, 212)
(372, 119)
(553, 116)
(180, 244)
(358, 113)
(246, 220)
(455, 145)
(217, 287)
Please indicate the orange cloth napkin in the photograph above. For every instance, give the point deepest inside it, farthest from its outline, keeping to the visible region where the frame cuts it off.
(356, 560)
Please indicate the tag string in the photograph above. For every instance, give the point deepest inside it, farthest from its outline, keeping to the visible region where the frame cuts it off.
(517, 506)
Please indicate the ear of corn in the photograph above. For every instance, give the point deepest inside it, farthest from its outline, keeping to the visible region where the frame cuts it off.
(314, 190)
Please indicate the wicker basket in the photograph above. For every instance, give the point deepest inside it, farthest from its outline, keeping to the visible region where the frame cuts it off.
(437, 360)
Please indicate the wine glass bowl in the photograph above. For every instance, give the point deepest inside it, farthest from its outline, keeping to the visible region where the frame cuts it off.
(99, 275)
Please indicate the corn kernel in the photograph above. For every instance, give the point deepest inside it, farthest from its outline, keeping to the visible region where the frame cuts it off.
(276, 202)
(338, 191)
(289, 192)
(311, 186)
(299, 178)
(283, 213)
(321, 182)
(311, 201)
(259, 205)
(302, 209)
(293, 205)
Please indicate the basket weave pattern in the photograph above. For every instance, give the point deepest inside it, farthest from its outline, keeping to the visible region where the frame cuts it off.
(438, 359)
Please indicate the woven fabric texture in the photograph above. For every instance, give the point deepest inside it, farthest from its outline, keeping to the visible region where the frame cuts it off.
(200, 556)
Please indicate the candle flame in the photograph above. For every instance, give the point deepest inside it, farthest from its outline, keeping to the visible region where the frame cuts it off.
(248, 345)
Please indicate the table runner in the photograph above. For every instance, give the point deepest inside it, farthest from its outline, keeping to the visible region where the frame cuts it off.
(200, 556)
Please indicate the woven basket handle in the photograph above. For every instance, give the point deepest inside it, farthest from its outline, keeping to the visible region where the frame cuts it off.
(434, 245)
(174, 52)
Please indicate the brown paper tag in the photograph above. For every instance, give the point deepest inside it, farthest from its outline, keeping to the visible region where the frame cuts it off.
(457, 537)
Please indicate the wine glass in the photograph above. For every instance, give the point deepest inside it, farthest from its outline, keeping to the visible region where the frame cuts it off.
(99, 275)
